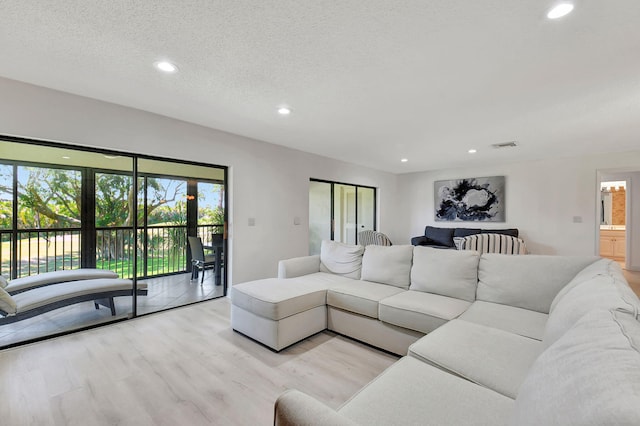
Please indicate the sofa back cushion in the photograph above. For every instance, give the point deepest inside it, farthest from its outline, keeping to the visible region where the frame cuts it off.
(607, 291)
(509, 231)
(599, 267)
(491, 243)
(465, 232)
(341, 259)
(590, 376)
(529, 282)
(449, 273)
(387, 265)
(439, 236)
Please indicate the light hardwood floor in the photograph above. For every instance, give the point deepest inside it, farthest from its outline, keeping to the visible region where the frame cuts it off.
(181, 367)
(164, 293)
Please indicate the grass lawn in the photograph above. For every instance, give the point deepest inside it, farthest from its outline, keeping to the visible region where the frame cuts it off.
(37, 255)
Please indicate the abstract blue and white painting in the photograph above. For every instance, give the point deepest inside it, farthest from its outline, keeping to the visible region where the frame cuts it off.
(470, 199)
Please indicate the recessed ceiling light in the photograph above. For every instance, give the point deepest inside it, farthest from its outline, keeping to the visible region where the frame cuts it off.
(404, 160)
(560, 10)
(166, 66)
(284, 110)
(66, 157)
(472, 151)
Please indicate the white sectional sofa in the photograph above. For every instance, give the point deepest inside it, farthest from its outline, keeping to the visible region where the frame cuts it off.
(491, 339)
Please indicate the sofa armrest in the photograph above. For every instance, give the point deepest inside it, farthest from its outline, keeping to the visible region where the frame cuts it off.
(295, 408)
(298, 266)
(420, 240)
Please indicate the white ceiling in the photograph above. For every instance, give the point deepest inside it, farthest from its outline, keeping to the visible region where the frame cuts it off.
(369, 81)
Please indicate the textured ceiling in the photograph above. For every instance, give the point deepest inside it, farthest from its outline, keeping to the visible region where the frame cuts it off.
(369, 82)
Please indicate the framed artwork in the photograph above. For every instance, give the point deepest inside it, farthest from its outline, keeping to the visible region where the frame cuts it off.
(470, 200)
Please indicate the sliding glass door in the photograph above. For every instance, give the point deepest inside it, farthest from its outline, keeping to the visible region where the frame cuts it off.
(338, 211)
(64, 208)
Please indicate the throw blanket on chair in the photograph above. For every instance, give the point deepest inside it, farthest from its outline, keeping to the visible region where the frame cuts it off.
(492, 243)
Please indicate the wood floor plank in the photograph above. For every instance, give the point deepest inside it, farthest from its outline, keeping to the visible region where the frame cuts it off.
(184, 366)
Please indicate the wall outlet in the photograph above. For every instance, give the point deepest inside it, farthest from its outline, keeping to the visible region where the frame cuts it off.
(296, 220)
(577, 219)
(251, 221)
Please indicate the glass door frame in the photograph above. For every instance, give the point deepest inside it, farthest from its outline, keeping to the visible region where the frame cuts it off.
(333, 218)
(89, 175)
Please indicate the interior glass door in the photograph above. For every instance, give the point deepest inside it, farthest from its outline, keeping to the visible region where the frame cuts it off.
(344, 213)
(319, 214)
(366, 209)
(338, 211)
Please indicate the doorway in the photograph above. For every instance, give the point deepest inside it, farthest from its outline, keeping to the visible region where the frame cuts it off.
(338, 211)
(613, 220)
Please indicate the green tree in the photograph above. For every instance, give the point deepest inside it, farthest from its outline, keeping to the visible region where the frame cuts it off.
(6, 196)
(115, 196)
(48, 198)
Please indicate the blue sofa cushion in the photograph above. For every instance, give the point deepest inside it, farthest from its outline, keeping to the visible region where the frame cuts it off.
(443, 237)
(465, 232)
(513, 231)
(439, 236)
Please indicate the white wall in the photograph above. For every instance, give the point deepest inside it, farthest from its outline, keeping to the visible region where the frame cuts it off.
(542, 198)
(270, 183)
(267, 182)
(633, 222)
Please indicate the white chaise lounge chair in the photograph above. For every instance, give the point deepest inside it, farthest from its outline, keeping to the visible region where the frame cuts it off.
(39, 300)
(19, 285)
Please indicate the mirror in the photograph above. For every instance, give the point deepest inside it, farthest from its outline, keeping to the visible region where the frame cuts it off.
(613, 203)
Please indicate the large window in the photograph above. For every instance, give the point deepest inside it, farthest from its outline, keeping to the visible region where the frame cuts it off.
(338, 211)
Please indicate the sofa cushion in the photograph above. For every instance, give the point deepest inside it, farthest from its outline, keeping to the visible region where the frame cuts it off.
(439, 236)
(446, 272)
(296, 408)
(420, 311)
(590, 376)
(360, 297)
(493, 358)
(324, 278)
(529, 282)
(602, 291)
(276, 298)
(492, 243)
(3, 282)
(508, 318)
(341, 259)
(411, 392)
(387, 265)
(465, 232)
(599, 267)
(509, 231)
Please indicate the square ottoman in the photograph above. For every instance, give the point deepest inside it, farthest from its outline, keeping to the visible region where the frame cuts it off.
(279, 312)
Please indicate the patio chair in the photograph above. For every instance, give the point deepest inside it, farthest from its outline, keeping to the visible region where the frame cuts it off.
(36, 301)
(200, 261)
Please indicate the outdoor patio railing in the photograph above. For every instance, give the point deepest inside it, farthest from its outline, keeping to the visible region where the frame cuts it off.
(162, 252)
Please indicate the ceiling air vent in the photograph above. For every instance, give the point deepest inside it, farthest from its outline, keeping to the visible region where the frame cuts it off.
(511, 144)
